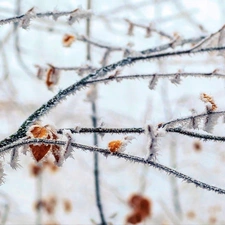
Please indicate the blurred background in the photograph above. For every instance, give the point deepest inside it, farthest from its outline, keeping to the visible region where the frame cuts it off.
(33, 194)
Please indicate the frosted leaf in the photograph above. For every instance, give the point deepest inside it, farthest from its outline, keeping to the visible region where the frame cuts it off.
(24, 149)
(176, 80)
(2, 174)
(153, 82)
(129, 138)
(119, 145)
(153, 133)
(68, 147)
(210, 122)
(79, 14)
(25, 22)
(14, 158)
(194, 123)
(77, 129)
(116, 146)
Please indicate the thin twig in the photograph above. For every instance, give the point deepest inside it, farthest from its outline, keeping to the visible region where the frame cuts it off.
(149, 29)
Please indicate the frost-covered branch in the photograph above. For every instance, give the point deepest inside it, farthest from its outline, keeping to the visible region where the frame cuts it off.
(130, 158)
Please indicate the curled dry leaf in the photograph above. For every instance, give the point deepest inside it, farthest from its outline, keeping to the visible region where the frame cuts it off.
(210, 104)
(68, 40)
(52, 77)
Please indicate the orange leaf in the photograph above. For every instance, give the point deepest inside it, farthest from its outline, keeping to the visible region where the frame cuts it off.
(39, 132)
(39, 151)
(114, 146)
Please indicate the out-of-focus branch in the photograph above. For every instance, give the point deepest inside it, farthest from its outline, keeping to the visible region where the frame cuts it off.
(148, 28)
(76, 14)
